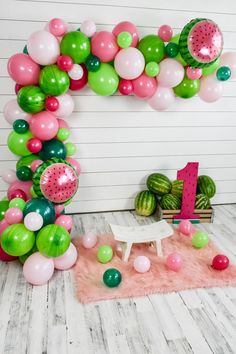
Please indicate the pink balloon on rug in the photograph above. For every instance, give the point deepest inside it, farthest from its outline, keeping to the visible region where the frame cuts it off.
(142, 264)
(185, 227)
(67, 260)
(89, 239)
(38, 269)
(174, 262)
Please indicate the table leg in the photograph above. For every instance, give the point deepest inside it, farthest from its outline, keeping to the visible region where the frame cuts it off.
(126, 251)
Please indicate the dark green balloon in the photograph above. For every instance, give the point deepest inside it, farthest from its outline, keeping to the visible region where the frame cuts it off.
(4, 205)
(112, 277)
(152, 47)
(187, 88)
(24, 173)
(43, 207)
(17, 240)
(20, 126)
(31, 99)
(23, 258)
(53, 240)
(223, 73)
(172, 50)
(76, 45)
(93, 63)
(53, 81)
(26, 161)
(25, 50)
(52, 148)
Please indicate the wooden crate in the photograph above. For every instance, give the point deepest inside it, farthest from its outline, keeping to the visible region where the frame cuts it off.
(206, 215)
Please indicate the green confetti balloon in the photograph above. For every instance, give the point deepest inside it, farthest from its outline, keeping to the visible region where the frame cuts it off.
(124, 39)
(53, 81)
(76, 45)
(70, 149)
(211, 68)
(187, 88)
(17, 143)
(200, 239)
(24, 173)
(152, 69)
(178, 57)
(31, 99)
(93, 63)
(17, 240)
(172, 50)
(52, 148)
(26, 161)
(53, 240)
(105, 81)
(223, 73)
(112, 277)
(104, 253)
(20, 126)
(152, 48)
(63, 134)
(4, 205)
(17, 203)
(43, 207)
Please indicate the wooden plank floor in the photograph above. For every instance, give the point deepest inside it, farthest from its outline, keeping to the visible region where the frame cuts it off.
(49, 319)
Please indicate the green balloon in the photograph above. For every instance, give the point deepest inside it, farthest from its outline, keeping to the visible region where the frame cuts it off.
(152, 48)
(76, 45)
(178, 57)
(112, 277)
(17, 203)
(24, 173)
(4, 205)
(104, 253)
(17, 240)
(93, 63)
(172, 50)
(200, 239)
(23, 258)
(17, 143)
(25, 50)
(43, 207)
(105, 81)
(53, 240)
(31, 99)
(223, 73)
(53, 81)
(52, 148)
(20, 126)
(152, 69)
(70, 149)
(26, 161)
(63, 134)
(32, 192)
(211, 68)
(187, 88)
(124, 39)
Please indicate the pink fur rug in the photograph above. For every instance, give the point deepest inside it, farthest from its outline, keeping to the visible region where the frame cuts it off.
(195, 273)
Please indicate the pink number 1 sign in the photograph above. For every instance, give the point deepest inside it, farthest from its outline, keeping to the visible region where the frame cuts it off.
(189, 175)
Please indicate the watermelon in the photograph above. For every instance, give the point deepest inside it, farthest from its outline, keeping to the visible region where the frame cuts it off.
(31, 99)
(177, 188)
(145, 203)
(200, 43)
(170, 202)
(206, 185)
(159, 184)
(202, 202)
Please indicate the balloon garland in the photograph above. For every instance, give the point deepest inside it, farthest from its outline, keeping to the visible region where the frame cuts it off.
(156, 68)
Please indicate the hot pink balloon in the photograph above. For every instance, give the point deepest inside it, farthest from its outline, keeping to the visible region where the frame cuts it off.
(43, 125)
(127, 26)
(12, 112)
(3, 225)
(35, 164)
(9, 176)
(229, 59)
(144, 86)
(23, 70)
(62, 123)
(65, 221)
(34, 145)
(162, 99)
(165, 33)
(43, 47)
(4, 257)
(57, 27)
(13, 216)
(104, 46)
(59, 209)
(211, 89)
(125, 87)
(171, 73)
(67, 260)
(174, 262)
(88, 27)
(74, 163)
(129, 63)
(89, 239)
(38, 269)
(66, 105)
(65, 63)
(193, 73)
(20, 185)
(185, 227)
(142, 264)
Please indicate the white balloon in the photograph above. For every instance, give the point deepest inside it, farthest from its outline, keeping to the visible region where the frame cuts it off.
(76, 73)
(171, 73)
(229, 59)
(88, 27)
(12, 112)
(129, 63)
(162, 99)
(211, 89)
(33, 221)
(66, 105)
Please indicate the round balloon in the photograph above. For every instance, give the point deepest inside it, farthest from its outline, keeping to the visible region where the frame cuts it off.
(112, 277)
(129, 63)
(124, 39)
(65, 63)
(211, 89)
(76, 85)
(43, 207)
(187, 88)
(144, 86)
(162, 99)
(76, 45)
(126, 26)
(51, 103)
(171, 73)
(26, 161)
(125, 87)
(4, 257)
(57, 27)
(229, 59)
(17, 240)
(88, 27)
(22, 186)
(152, 48)
(104, 46)
(211, 68)
(52, 148)
(66, 105)
(20, 126)
(93, 63)
(44, 125)
(53, 81)
(200, 239)
(13, 112)
(38, 269)
(223, 73)
(23, 70)
(17, 143)
(165, 33)
(178, 57)
(105, 81)
(31, 99)
(4, 205)
(67, 260)
(24, 173)
(53, 240)
(172, 50)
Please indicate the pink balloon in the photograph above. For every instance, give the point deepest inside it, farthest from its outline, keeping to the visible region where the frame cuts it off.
(165, 33)
(104, 46)
(65, 63)
(125, 87)
(211, 89)
(88, 27)
(9, 176)
(174, 262)
(229, 59)
(6, 257)
(142, 264)
(67, 260)
(38, 269)
(76, 72)
(12, 112)
(20, 185)
(126, 26)
(3, 225)
(65, 221)
(185, 227)
(171, 73)
(144, 86)
(162, 99)
(33, 221)
(89, 239)
(43, 47)
(62, 123)
(13, 216)
(129, 63)
(35, 164)
(74, 163)
(57, 27)
(193, 73)
(66, 105)
(43, 125)
(59, 209)
(23, 70)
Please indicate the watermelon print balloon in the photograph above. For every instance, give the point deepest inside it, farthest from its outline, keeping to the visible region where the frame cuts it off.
(17, 240)
(55, 180)
(31, 99)
(53, 240)
(53, 81)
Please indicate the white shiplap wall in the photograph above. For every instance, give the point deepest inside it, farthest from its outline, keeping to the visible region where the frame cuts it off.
(120, 139)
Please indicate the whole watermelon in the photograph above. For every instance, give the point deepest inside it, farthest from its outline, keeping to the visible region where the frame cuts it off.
(206, 185)
(177, 188)
(159, 184)
(170, 202)
(145, 203)
(202, 202)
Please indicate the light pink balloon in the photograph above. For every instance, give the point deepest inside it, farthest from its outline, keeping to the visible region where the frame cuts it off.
(65, 221)
(24, 186)
(75, 164)
(38, 269)
(89, 239)
(43, 125)
(165, 33)
(88, 27)
(142, 264)
(76, 72)
(129, 63)
(35, 164)
(127, 26)
(43, 47)
(12, 112)
(211, 89)
(57, 27)
(62, 123)
(193, 73)
(59, 209)
(67, 260)
(174, 262)
(9, 176)
(185, 227)
(33, 221)
(66, 106)
(13, 216)
(104, 46)
(3, 225)
(162, 99)
(229, 59)
(144, 86)
(171, 73)
(23, 70)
